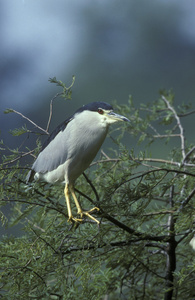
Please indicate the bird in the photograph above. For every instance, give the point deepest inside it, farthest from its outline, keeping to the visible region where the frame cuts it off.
(71, 147)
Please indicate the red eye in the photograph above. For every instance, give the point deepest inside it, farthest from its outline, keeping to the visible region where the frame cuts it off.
(100, 111)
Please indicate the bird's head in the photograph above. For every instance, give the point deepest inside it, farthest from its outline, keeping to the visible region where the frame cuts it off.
(103, 111)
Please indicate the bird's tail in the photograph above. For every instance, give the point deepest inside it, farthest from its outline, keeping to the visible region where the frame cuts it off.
(30, 176)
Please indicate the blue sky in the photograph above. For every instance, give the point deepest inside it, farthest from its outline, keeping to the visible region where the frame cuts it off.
(113, 49)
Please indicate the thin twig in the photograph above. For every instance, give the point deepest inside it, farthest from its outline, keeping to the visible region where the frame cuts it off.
(187, 199)
(166, 135)
(51, 110)
(105, 161)
(45, 131)
(138, 159)
(178, 124)
(154, 129)
(104, 154)
(186, 114)
(159, 213)
(23, 154)
(92, 186)
(188, 154)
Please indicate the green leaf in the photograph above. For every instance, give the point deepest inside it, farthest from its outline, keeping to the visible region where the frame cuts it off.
(19, 131)
(8, 110)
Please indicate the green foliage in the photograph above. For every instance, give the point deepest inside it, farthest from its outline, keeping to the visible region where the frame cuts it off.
(67, 91)
(8, 111)
(141, 248)
(19, 131)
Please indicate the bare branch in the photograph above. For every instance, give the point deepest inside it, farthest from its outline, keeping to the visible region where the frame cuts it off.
(23, 154)
(166, 135)
(105, 161)
(178, 124)
(138, 159)
(45, 131)
(171, 251)
(51, 110)
(92, 186)
(186, 114)
(187, 199)
(188, 154)
(104, 154)
(159, 213)
(154, 129)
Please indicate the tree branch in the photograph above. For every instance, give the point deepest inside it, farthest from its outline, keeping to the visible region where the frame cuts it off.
(138, 159)
(171, 253)
(187, 199)
(178, 124)
(51, 110)
(40, 128)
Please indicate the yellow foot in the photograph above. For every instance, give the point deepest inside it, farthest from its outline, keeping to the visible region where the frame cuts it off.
(91, 210)
(86, 213)
(72, 219)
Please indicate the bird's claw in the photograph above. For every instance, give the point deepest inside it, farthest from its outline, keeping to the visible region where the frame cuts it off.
(85, 213)
(95, 208)
(74, 220)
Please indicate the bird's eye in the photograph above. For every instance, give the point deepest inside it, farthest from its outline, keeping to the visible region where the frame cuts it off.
(100, 111)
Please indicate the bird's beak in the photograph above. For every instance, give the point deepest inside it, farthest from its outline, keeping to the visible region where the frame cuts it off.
(116, 117)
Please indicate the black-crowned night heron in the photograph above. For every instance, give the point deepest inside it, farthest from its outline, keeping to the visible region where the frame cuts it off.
(71, 147)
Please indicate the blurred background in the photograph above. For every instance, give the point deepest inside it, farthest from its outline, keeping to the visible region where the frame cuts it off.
(115, 49)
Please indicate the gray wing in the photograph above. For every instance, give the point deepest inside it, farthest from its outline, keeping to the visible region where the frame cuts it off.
(53, 155)
(54, 151)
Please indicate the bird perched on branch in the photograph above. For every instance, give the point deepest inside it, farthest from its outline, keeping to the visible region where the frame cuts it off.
(70, 149)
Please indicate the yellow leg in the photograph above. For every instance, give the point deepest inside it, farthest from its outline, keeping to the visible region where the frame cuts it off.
(67, 197)
(79, 209)
(66, 193)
